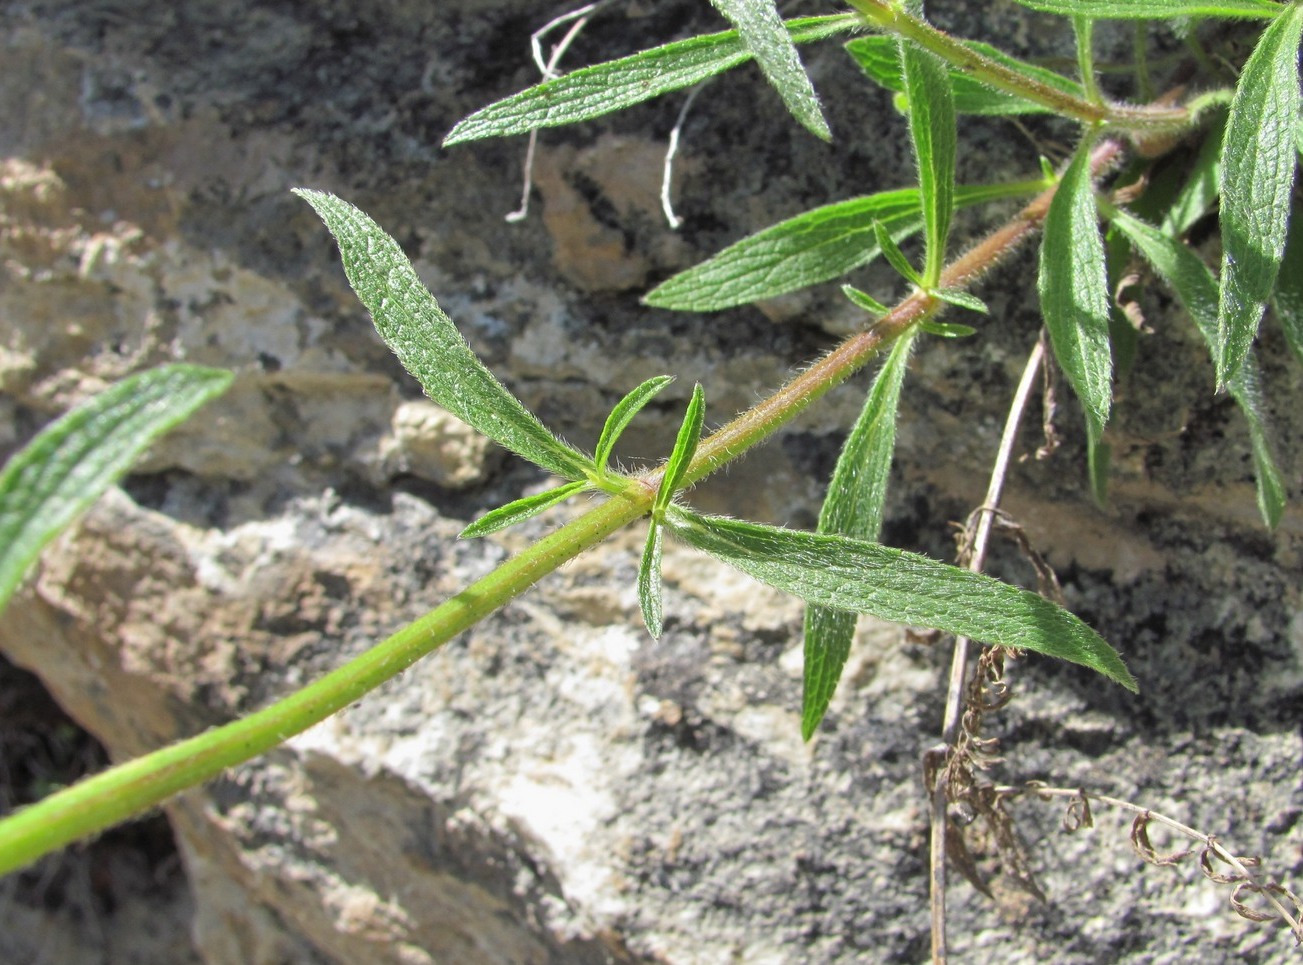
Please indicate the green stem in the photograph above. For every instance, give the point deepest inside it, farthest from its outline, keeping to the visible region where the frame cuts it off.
(106, 799)
(1084, 29)
(886, 16)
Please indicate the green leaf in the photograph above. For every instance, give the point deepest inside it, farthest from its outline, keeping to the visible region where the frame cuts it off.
(1155, 9)
(813, 247)
(961, 299)
(1073, 286)
(865, 301)
(895, 257)
(1288, 295)
(71, 462)
(601, 89)
(946, 329)
(1258, 161)
(879, 58)
(623, 414)
(649, 580)
(520, 510)
(933, 132)
(685, 447)
(1199, 192)
(1196, 289)
(891, 584)
(428, 344)
(853, 507)
(762, 30)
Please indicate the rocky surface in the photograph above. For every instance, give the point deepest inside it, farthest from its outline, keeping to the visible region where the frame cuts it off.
(553, 786)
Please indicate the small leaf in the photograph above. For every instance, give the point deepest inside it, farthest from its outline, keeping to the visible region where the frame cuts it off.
(933, 133)
(649, 579)
(1288, 295)
(520, 510)
(865, 301)
(1073, 287)
(71, 462)
(853, 507)
(891, 584)
(685, 447)
(428, 344)
(946, 329)
(879, 58)
(762, 30)
(593, 91)
(961, 299)
(1195, 287)
(813, 247)
(1155, 9)
(1203, 185)
(895, 257)
(623, 414)
(1258, 162)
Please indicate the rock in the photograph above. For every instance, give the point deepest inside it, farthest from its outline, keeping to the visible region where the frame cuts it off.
(554, 786)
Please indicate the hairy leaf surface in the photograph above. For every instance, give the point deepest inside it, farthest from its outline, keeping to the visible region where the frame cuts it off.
(520, 510)
(933, 133)
(1155, 9)
(623, 414)
(850, 574)
(70, 463)
(428, 344)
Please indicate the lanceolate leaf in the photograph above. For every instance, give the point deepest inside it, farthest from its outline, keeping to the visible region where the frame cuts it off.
(865, 301)
(895, 257)
(853, 507)
(810, 248)
(1199, 193)
(593, 91)
(1073, 287)
(57, 475)
(649, 579)
(879, 57)
(1258, 161)
(961, 299)
(428, 344)
(1288, 295)
(932, 130)
(762, 30)
(520, 510)
(1196, 288)
(891, 584)
(685, 447)
(1155, 9)
(623, 414)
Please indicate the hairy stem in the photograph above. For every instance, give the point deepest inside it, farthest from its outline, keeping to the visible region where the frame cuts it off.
(106, 799)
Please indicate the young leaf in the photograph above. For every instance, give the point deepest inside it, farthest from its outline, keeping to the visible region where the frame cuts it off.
(813, 247)
(685, 447)
(1073, 286)
(895, 257)
(932, 130)
(762, 30)
(864, 300)
(71, 462)
(946, 329)
(520, 510)
(1155, 9)
(428, 344)
(1258, 162)
(649, 579)
(601, 89)
(1196, 289)
(879, 58)
(891, 584)
(623, 414)
(1199, 193)
(1288, 295)
(961, 299)
(853, 507)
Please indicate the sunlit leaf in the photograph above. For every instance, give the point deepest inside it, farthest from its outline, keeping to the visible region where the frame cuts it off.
(601, 89)
(428, 344)
(961, 299)
(1194, 285)
(850, 574)
(813, 247)
(520, 510)
(649, 579)
(1258, 162)
(1288, 294)
(763, 32)
(864, 300)
(879, 57)
(1199, 192)
(685, 447)
(623, 414)
(895, 257)
(69, 464)
(1073, 287)
(853, 507)
(946, 329)
(1155, 9)
(932, 131)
